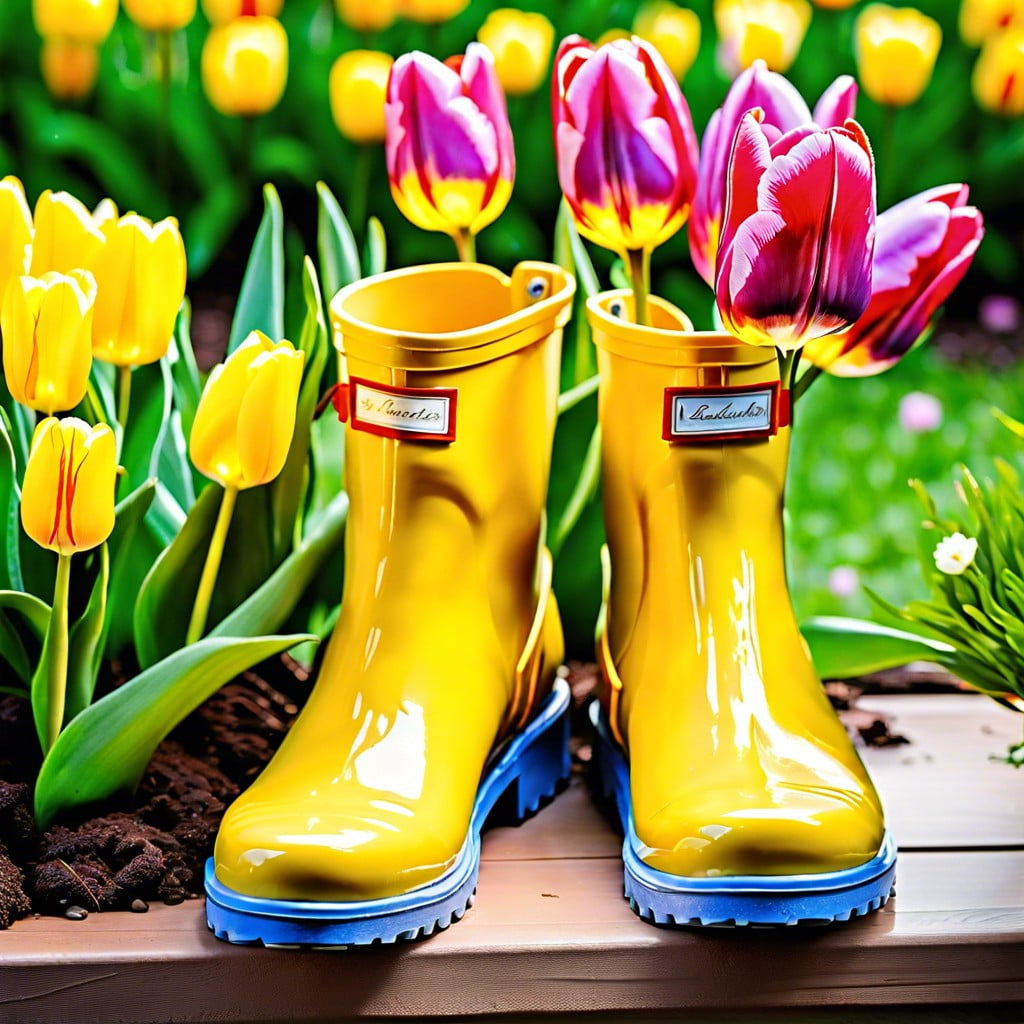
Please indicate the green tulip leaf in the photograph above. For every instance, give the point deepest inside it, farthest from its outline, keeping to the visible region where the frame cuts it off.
(582, 494)
(376, 255)
(843, 648)
(336, 245)
(149, 409)
(36, 613)
(168, 590)
(85, 643)
(106, 748)
(10, 507)
(12, 650)
(132, 552)
(210, 223)
(261, 301)
(78, 138)
(327, 448)
(268, 608)
(289, 489)
(181, 357)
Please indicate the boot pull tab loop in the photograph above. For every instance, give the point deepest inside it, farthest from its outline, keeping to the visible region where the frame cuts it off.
(338, 396)
(530, 285)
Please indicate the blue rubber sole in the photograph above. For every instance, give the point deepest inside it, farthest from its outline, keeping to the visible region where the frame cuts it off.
(529, 771)
(738, 900)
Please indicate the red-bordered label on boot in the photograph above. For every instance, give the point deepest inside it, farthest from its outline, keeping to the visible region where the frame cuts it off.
(406, 414)
(715, 414)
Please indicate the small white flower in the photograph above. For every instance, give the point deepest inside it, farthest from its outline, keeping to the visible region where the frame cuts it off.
(954, 554)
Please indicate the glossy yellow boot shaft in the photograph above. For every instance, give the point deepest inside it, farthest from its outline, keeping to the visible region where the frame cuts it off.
(448, 636)
(738, 764)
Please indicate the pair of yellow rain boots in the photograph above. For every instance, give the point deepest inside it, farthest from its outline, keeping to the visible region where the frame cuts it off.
(742, 800)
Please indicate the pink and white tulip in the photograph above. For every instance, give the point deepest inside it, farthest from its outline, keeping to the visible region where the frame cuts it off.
(923, 248)
(626, 148)
(794, 262)
(449, 148)
(784, 109)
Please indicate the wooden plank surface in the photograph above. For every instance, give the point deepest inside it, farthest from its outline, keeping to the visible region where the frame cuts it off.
(550, 932)
(944, 790)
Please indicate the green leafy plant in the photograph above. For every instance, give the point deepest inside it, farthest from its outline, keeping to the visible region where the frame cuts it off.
(973, 620)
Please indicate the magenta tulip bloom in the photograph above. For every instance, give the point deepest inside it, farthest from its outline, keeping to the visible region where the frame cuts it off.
(923, 248)
(627, 151)
(794, 262)
(784, 109)
(449, 145)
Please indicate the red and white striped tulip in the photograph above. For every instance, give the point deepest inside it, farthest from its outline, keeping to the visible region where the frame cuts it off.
(794, 262)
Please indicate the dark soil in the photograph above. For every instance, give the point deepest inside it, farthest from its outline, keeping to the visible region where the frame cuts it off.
(151, 845)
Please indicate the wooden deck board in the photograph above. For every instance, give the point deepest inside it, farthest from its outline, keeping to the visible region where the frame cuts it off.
(550, 932)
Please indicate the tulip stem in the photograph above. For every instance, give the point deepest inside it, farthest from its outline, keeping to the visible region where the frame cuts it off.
(201, 609)
(465, 243)
(788, 362)
(124, 397)
(57, 643)
(806, 379)
(360, 187)
(164, 44)
(638, 263)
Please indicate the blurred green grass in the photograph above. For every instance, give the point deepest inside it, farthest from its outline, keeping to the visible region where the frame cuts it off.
(848, 502)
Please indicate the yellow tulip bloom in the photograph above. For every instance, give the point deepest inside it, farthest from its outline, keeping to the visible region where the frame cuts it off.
(15, 231)
(85, 21)
(220, 11)
(245, 66)
(521, 44)
(160, 15)
(67, 498)
(141, 277)
(367, 15)
(69, 67)
(66, 235)
(431, 12)
(47, 328)
(998, 79)
(673, 31)
(358, 88)
(769, 30)
(896, 50)
(980, 19)
(246, 416)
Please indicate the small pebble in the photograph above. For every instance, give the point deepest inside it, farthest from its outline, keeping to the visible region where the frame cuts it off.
(139, 906)
(174, 899)
(76, 913)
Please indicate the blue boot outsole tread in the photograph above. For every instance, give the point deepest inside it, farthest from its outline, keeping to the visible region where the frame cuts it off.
(739, 900)
(529, 771)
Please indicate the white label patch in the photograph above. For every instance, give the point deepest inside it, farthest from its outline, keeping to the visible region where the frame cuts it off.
(404, 413)
(716, 414)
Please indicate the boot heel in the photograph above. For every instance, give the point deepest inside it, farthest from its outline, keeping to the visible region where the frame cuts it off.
(544, 770)
(533, 767)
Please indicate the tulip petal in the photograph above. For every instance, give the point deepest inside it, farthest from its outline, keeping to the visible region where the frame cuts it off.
(92, 486)
(482, 87)
(749, 161)
(837, 104)
(802, 265)
(266, 418)
(896, 318)
(212, 445)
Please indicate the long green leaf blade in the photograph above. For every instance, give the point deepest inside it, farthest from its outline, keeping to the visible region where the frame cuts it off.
(107, 747)
(261, 300)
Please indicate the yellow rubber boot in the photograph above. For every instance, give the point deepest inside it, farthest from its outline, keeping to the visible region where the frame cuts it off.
(437, 692)
(743, 800)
